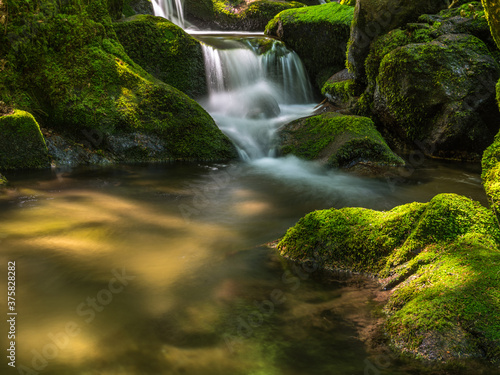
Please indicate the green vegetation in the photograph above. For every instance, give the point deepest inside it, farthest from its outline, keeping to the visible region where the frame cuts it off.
(339, 92)
(165, 51)
(443, 255)
(492, 13)
(64, 64)
(338, 141)
(21, 143)
(327, 25)
(235, 14)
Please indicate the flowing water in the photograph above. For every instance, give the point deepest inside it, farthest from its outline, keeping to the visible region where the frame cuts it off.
(171, 10)
(161, 269)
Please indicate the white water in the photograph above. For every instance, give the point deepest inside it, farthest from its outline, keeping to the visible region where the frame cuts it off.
(171, 10)
(251, 94)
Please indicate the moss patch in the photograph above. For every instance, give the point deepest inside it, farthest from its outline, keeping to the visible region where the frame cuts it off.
(166, 51)
(492, 11)
(337, 141)
(443, 255)
(318, 34)
(21, 142)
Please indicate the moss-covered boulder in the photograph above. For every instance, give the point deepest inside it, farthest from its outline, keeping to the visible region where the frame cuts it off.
(441, 94)
(492, 8)
(66, 65)
(235, 14)
(491, 170)
(164, 50)
(373, 18)
(441, 260)
(337, 141)
(133, 7)
(21, 142)
(318, 34)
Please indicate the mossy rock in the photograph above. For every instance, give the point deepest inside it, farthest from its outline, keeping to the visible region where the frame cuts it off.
(373, 18)
(235, 15)
(164, 50)
(439, 94)
(492, 10)
(21, 142)
(115, 8)
(491, 169)
(342, 90)
(318, 34)
(443, 258)
(337, 141)
(71, 71)
(133, 7)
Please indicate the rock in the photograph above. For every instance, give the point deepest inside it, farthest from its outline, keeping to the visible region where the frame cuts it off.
(442, 258)
(341, 89)
(318, 34)
(440, 94)
(493, 16)
(491, 170)
(337, 141)
(243, 15)
(165, 51)
(83, 84)
(373, 18)
(21, 142)
(133, 7)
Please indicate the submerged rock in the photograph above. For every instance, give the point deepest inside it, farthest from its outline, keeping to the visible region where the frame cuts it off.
(21, 142)
(318, 34)
(439, 258)
(164, 50)
(235, 15)
(337, 141)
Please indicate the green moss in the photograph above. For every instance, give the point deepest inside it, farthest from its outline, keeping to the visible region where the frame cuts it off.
(492, 13)
(3, 180)
(443, 254)
(21, 142)
(318, 34)
(166, 51)
(348, 2)
(78, 78)
(340, 141)
(342, 91)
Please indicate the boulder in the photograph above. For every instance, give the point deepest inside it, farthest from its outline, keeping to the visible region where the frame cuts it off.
(439, 259)
(373, 18)
(440, 94)
(70, 69)
(492, 9)
(21, 142)
(318, 34)
(165, 51)
(337, 141)
(235, 15)
(133, 7)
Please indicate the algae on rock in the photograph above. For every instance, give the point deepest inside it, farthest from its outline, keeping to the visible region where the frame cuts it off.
(337, 141)
(165, 51)
(442, 258)
(21, 142)
(318, 34)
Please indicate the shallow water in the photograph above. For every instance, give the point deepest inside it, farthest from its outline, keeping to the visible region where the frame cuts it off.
(201, 295)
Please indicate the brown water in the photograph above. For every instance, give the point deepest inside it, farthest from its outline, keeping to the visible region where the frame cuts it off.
(161, 269)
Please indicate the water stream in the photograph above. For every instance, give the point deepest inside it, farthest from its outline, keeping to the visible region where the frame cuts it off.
(161, 269)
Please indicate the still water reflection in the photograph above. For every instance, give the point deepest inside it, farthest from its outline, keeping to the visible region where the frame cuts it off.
(161, 269)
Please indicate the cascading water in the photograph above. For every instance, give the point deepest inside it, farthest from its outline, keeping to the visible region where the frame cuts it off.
(171, 10)
(255, 85)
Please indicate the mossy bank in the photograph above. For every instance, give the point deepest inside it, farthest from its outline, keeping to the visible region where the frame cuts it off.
(440, 259)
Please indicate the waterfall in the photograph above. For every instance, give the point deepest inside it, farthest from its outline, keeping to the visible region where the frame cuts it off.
(171, 10)
(252, 92)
